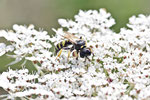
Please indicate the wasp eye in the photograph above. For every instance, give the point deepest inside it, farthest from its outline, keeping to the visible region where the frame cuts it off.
(85, 52)
(88, 52)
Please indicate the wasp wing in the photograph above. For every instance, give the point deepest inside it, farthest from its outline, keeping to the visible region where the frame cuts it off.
(72, 38)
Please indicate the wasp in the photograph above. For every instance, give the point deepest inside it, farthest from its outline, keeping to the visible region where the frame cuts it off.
(75, 43)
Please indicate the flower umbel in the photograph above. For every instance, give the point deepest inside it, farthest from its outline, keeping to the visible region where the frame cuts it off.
(26, 42)
(119, 68)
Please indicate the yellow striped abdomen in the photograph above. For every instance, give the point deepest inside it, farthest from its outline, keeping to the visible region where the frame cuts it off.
(62, 44)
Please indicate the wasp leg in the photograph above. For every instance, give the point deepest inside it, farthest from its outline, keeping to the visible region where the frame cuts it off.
(65, 48)
(59, 53)
(71, 49)
(68, 55)
(87, 59)
(77, 54)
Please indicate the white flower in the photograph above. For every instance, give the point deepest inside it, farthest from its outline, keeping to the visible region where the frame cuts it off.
(27, 41)
(118, 69)
(4, 48)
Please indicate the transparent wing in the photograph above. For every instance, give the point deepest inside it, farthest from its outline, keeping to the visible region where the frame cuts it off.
(70, 37)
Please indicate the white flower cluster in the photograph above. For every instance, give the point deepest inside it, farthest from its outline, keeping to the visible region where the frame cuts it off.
(26, 42)
(4, 48)
(89, 21)
(118, 69)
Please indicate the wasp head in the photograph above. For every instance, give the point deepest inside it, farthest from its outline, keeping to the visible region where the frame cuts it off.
(85, 52)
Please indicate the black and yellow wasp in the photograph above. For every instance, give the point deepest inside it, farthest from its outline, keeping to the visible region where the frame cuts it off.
(77, 44)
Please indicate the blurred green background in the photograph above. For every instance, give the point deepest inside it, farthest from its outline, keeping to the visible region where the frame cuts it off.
(45, 13)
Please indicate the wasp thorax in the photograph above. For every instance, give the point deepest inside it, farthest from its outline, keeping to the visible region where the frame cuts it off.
(79, 44)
